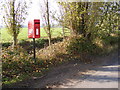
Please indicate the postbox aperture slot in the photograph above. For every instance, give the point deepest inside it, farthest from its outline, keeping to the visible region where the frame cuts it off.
(37, 22)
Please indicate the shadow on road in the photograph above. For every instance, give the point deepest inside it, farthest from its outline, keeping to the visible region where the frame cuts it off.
(106, 72)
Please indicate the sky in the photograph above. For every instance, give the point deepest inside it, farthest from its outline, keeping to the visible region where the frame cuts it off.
(33, 11)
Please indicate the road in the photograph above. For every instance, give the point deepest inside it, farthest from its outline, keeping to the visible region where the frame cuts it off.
(101, 73)
(105, 76)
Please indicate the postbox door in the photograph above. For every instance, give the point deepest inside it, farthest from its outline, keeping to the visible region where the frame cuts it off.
(37, 28)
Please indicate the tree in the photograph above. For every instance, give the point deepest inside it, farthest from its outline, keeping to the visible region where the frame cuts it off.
(90, 18)
(74, 16)
(110, 17)
(45, 14)
(15, 12)
(59, 17)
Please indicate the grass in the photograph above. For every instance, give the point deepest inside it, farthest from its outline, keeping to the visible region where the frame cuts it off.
(5, 37)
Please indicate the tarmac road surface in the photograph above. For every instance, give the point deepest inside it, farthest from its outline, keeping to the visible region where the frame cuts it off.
(104, 76)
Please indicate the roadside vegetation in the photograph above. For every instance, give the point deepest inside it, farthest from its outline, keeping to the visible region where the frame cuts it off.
(87, 29)
(19, 64)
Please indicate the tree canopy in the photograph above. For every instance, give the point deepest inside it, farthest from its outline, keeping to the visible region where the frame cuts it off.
(15, 12)
(90, 18)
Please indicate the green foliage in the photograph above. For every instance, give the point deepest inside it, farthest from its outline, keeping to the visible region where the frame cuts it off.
(71, 18)
(6, 44)
(41, 42)
(99, 45)
(90, 18)
(27, 45)
(57, 39)
(110, 40)
(15, 13)
(79, 45)
(15, 63)
(18, 63)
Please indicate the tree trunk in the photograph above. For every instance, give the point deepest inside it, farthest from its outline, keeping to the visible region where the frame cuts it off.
(48, 22)
(83, 22)
(14, 41)
(14, 26)
(73, 31)
(49, 38)
(83, 25)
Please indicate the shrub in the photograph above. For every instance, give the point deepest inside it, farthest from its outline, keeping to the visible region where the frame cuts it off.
(17, 63)
(40, 43)
(110, 40)
(57, 39)
(6, 44)
(80, 45)
(27, 45)
(51, 51)
(14, 62)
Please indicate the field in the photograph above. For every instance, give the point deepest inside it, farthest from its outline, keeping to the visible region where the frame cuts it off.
(5, 37)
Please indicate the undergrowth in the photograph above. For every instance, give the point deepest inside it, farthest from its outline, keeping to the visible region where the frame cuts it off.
(18, 64)
(97, 46)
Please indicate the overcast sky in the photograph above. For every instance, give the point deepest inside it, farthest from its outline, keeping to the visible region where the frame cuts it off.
(33, 11)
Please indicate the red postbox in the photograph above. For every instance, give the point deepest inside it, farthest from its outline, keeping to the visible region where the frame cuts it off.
(34, 28)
